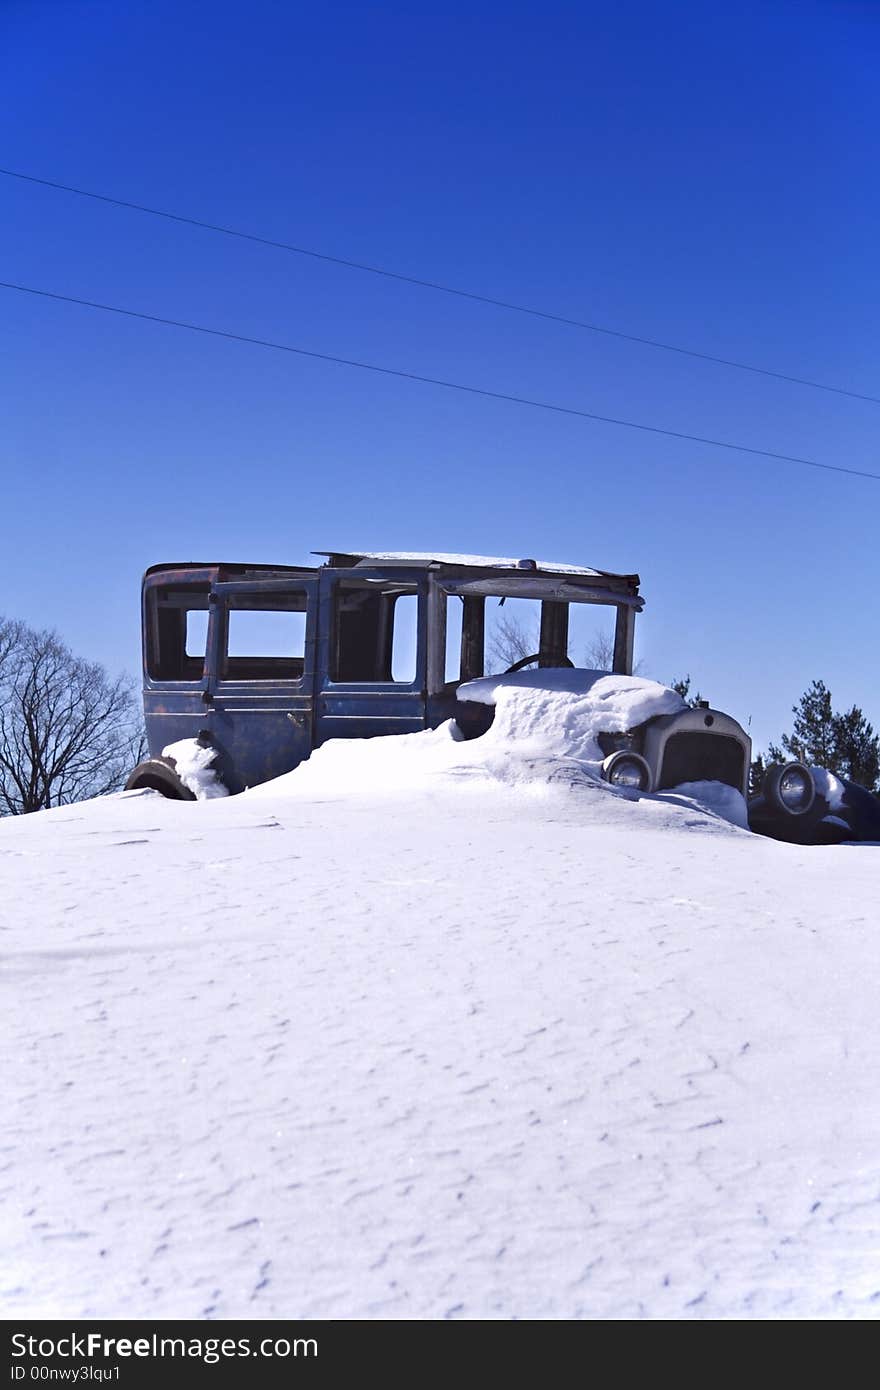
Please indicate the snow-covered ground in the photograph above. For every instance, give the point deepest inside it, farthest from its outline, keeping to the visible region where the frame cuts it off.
(434, 1029)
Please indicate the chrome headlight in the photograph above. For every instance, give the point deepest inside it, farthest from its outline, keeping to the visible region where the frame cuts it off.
(624, 769)
(790, 788)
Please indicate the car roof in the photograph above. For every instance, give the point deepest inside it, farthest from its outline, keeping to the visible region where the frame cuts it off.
(438, 558)
(442, 561)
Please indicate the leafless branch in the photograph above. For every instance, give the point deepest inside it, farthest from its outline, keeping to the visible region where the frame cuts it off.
(67, 729)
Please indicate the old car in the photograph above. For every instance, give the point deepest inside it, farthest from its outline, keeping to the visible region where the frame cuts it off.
(811, 806)
(255, 666)
(266, 663)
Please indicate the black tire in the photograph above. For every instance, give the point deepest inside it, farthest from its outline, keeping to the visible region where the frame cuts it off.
(158, 775)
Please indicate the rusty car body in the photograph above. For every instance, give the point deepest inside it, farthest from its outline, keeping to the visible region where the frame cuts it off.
(378, 644)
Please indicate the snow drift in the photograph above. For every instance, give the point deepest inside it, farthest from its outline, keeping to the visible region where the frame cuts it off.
(437, 1029)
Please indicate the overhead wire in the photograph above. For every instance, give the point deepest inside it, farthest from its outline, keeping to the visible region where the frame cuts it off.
(405, 375)
(439, 287)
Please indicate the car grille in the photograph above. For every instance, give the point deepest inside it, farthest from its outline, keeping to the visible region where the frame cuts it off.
(702, 757)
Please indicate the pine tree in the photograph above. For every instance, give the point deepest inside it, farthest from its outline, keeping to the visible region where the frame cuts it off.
(857, 748)
(820, 737)
(757, 769)
(682, 687)
(812, 740)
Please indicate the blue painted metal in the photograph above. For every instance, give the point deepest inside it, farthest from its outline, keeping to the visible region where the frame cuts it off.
(174, 709)
(260, 727)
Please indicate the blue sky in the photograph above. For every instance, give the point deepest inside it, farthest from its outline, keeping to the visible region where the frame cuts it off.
(700, 174)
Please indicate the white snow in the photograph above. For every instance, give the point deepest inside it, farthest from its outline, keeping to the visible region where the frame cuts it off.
(437, 1029)
(544, 730)
(710, 797)
(564, 709)
(829, 786)
(483, 561)
(194, 765)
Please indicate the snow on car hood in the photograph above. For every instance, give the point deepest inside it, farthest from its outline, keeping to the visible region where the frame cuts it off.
(565, 709)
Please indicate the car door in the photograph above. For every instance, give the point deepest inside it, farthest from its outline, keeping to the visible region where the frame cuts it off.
(372, 654)
(177, 653)
(260, 693)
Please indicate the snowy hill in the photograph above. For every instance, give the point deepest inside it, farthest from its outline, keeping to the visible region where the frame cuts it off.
(424, 1031)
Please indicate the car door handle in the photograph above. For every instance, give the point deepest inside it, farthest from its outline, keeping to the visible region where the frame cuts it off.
(297, 718)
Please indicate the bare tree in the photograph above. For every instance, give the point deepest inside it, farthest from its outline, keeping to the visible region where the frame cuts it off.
(509, 641)
(67, 730)
(10, 635)
(599, 655)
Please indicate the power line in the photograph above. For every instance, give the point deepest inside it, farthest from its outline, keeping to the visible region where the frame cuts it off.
(436, 381)
(443, 289)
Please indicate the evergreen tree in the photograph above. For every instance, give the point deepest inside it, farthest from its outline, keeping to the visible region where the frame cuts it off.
(682, 687)
(812, 739)
(857, 748)
(757, 769)
(820, 737)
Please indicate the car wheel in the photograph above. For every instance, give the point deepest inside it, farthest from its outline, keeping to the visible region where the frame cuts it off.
(158, 775)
